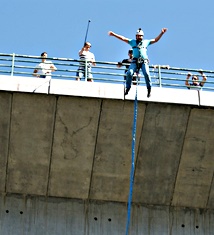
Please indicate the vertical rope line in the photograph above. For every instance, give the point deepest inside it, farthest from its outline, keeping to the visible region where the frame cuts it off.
(132, 163)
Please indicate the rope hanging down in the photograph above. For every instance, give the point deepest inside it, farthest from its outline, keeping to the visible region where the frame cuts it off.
(133, 163)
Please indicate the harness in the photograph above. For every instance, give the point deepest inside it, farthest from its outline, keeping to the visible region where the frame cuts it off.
(139, 61)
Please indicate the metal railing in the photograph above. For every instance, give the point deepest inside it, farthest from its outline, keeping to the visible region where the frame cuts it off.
(161, 75)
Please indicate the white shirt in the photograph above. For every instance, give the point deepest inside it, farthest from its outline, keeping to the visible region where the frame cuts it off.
(44, 68)
(86, 55)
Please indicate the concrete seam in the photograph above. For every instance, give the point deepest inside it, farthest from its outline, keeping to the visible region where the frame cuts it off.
(86, 230)
(95, 147)
(180, 159)
(210, 190)
(138, 149)
(51, 152)
(9, 138)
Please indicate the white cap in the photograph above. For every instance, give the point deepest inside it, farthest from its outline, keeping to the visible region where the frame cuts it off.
(140, 32)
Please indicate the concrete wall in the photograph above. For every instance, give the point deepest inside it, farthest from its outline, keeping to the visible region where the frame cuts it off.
(72, 149)
(53, 216)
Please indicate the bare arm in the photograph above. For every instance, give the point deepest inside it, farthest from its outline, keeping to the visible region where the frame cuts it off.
(93, 62)
(187, 79)
(53, 68)
(35, 73)
(120, 37)
(163, 31)
(81, 51)
(204, 78)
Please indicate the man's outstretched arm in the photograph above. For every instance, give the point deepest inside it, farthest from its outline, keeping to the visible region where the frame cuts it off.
(120, 37)
(163, 31)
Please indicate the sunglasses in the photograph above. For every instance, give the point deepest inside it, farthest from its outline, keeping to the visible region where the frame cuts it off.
(194, 78)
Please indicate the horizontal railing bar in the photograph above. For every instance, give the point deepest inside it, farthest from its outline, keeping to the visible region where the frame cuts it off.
(3, 71)
(161, 75)
(5, 65)
(6, 59)
(105, 62)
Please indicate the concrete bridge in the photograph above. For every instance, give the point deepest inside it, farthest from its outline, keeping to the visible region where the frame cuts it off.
(66, 157)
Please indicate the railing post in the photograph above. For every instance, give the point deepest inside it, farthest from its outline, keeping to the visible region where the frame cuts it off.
(49, 85)
(13, 62)
(86, 69)
(159, 75)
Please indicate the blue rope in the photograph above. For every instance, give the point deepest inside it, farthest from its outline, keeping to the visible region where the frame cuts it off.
(133, 163)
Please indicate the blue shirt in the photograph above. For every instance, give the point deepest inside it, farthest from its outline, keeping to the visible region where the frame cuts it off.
(139, 52)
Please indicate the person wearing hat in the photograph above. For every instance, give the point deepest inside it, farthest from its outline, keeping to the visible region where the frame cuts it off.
(140, 57)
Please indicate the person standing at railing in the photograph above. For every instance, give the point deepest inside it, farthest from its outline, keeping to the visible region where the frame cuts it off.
(85, 55)
(44, 69)
(195, 84)
(127, 63)
(140, 60)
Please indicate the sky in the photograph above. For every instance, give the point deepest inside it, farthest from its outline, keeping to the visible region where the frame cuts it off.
(59, 27)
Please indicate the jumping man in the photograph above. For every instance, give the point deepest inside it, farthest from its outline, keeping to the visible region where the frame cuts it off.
(140, 60)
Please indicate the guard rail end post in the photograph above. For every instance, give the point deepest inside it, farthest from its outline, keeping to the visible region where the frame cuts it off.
(159, 75)
(13, 63)
(86, 69)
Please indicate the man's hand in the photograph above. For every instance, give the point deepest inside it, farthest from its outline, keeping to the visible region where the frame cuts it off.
(119, 64)
(189, 75)
(201, 71)
(110, 33)
(164, 30)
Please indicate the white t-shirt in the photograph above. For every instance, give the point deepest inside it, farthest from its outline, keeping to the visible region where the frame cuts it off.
(86, 55)
(44, 68)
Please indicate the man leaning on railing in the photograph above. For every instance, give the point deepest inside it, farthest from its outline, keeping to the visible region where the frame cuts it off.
(195, 84)
(44, 69)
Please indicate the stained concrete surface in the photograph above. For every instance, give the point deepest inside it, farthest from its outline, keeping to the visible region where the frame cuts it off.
(73, 147)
